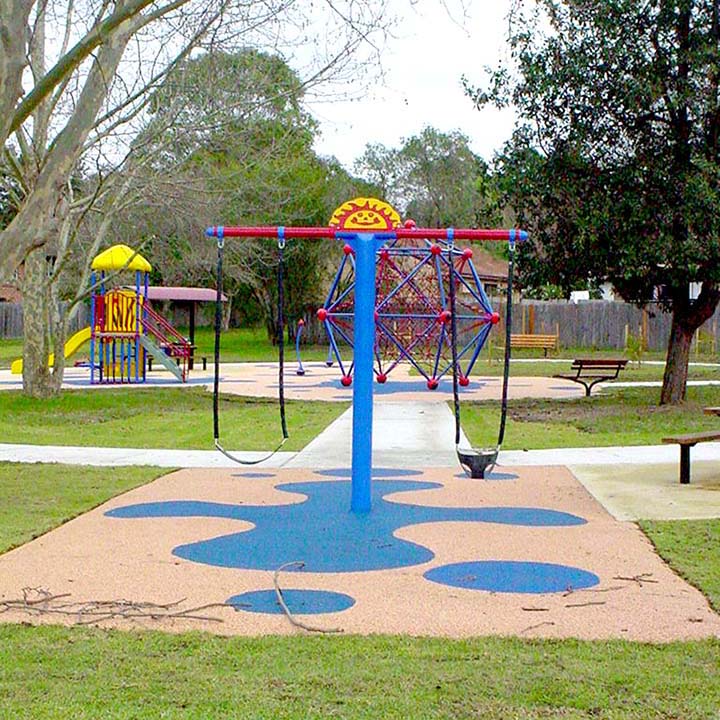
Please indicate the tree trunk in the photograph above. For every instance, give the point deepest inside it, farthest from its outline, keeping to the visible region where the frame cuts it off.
(37, 380)
(687, 317)
(674, 387)
(227, 312)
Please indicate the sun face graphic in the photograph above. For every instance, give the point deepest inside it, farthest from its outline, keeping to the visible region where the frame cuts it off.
(365, 214)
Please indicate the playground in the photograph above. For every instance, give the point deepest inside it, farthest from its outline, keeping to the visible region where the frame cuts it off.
(373, 528)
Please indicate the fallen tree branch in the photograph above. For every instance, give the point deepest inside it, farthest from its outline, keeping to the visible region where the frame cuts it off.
(293, 620)
(39, 602)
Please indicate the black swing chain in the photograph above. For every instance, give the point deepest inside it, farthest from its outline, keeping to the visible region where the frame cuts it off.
(218, 328)
(281, 333)
(281, 354)
(508, 332)
(453, 344)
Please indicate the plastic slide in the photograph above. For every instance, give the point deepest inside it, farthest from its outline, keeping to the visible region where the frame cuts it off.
(71, 347)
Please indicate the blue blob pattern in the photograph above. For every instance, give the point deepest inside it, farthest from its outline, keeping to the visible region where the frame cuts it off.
(322, 532)
(299, 602)
(513, 576)
(376, 472)
(400, 386)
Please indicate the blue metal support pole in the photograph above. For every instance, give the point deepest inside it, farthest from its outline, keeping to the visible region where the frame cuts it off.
(92, 329)
(364, 341)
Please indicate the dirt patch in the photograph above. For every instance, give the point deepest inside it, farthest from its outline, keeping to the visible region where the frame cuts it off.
(583, 414)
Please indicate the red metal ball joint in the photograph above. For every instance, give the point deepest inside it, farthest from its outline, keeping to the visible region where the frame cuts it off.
(432, 384)
(467, 254)
(347, 249)
(444, 316)
(381, 378)
(384, 255)
(322, 314)
(463, 381)
(410, 224)
(346, 380)
(435, 249)
(495, 318)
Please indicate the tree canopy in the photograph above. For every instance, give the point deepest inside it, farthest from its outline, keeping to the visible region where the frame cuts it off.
(433, 177)
(615, 163)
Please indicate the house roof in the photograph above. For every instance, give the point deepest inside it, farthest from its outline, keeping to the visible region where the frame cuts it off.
(189, 294)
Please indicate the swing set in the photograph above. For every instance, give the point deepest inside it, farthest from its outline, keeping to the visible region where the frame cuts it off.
(370, 229)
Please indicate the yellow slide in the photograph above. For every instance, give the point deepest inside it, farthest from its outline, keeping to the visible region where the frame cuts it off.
(71, 347)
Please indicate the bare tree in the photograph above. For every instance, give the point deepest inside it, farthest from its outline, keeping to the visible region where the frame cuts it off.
(76, 78)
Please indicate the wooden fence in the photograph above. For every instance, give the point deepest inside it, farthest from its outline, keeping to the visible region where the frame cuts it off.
(598, 324)
(11, 320)
(589, 324)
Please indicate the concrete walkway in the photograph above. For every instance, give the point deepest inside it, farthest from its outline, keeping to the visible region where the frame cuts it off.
(630, 482)
(405, 434)
(103, 457)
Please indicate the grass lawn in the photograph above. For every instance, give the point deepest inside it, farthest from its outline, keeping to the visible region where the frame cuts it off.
(36, 498)
(524, 366)
(622, 416)
(236, 345)
(249, 345)
(91, 674)
(692, 548)
(10, 349)
(158, 418)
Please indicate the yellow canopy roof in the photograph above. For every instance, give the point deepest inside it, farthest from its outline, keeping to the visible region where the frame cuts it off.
(121, 257)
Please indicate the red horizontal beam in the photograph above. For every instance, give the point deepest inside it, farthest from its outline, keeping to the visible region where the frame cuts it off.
(330, 232)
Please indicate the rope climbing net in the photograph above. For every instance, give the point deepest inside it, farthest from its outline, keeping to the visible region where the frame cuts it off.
(412, 310)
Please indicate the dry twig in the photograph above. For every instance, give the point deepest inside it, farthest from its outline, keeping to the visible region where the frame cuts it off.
(39, 602)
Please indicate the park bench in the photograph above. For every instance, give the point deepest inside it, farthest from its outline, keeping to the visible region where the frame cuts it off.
(686, 442)
(544, 342)
(590, 372)
(191, 360)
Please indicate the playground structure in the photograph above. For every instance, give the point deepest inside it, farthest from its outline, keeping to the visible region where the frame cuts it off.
(72, 346)
(125, 330)
(412, 309)
(369, 227)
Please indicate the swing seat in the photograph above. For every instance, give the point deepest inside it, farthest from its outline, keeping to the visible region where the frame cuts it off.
(475, 462)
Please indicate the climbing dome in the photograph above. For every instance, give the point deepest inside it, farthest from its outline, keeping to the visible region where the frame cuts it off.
(412, 311)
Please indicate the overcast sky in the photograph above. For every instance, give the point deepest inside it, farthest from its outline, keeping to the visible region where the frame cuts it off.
(422, 87)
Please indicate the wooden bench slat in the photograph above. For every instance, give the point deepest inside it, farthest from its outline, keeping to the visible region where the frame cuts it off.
(589, 371)
(692, 438)
(532, 340)
(685, 442)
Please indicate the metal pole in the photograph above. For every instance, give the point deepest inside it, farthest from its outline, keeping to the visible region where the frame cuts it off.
(364, 340)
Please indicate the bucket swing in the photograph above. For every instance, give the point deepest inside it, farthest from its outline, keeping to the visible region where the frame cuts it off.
(281, 350)
(477, 461)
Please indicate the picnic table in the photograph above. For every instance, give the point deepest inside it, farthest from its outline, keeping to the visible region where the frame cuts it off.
(689, 440)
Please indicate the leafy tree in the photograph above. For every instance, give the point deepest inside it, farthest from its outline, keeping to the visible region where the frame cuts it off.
(615, 163)
(434, 177)
(231, 131)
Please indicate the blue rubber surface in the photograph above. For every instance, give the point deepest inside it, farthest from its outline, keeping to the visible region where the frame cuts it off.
(505, 576)
(299, 602)
(321, 532)
(254, 475)
(376, 472)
